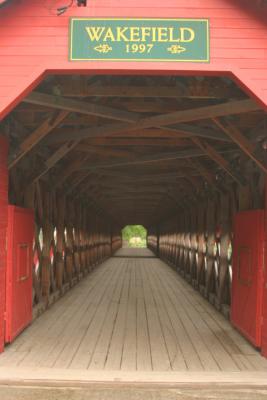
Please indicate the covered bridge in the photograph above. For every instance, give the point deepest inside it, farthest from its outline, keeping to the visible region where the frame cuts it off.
(136, 112)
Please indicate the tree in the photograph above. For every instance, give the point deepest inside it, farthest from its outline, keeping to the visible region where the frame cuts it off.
(134, 231)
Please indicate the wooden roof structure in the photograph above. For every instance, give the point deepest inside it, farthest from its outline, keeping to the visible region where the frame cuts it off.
(137, 146)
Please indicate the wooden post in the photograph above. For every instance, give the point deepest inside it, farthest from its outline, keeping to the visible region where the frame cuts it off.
(194, 246)
(61, 206)
(76, 237)
(201, 242)
(29, 201)
(182, 245)
(187, 246)
(225, 227)
(210, 221)
(47, 238)
(83, 239)
(70, 242)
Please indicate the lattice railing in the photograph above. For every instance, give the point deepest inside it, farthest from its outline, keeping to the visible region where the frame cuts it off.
(70, 241)
(198, 242)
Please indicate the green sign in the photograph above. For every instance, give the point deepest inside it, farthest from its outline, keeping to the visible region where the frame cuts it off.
(139, 39)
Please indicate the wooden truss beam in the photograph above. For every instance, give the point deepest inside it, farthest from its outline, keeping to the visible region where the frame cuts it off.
(237, 137)
(140, 184)
(137, 192)
(198, 131)
(104, 151)
(168, 119)
(68, 170)
(35, 137)
(78, 163)
(130, 183)
(177, 132)
(195, 114)
(85, 147)
(53, 159)
(181, 91)
(204, 172)
(152, 158)
(131, 198)
(80, 107)
(120, 180)
(219, 160)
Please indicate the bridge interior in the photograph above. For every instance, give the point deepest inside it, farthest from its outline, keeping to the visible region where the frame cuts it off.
(132, 314)
(134, 146)
(177, 154)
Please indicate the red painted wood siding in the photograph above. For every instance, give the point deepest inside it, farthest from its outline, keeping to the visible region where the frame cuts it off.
(34, 41)
(264, 305)
(3, 230)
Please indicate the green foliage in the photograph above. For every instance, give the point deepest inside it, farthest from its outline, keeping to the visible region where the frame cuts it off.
(135, 235)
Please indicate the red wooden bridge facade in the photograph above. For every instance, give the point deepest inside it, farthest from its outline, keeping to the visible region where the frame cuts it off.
(79, 212)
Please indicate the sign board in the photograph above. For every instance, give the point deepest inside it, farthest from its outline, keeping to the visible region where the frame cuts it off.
(139, 39)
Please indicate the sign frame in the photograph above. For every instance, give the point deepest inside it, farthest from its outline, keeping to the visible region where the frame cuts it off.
(203, 61)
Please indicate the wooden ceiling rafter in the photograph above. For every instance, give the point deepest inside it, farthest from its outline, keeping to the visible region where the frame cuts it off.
(132, 91)
(68, 171)
(140, 156)
(78, 162)
(205, 173)
(145, 182)
(74, 183)
(36, 136)
(61, 152)
(199, 113)
(129, 142)
(156, 158)
(80, 107)
(244, 144)
(220, 161)
(105, 151)
(194, 130)
(163, 120)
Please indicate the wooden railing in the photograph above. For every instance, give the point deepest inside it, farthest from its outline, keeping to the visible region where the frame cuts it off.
(198, 241)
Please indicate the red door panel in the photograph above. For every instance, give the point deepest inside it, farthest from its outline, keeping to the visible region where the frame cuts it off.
(19, 271)
(264, 306)
(264, 317)
(247, 287)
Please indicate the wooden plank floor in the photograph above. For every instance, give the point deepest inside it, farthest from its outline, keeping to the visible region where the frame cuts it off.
(132, 314)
